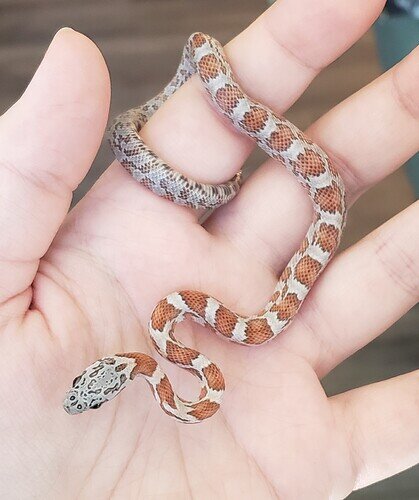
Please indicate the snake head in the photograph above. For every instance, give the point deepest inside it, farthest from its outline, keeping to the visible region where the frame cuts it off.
(100, 382)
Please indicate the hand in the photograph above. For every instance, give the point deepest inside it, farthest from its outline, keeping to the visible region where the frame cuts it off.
(77, 287)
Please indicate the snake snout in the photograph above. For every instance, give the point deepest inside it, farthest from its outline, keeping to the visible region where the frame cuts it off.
(72, 404)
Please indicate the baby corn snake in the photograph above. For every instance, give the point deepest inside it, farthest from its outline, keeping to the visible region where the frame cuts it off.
(283, 141)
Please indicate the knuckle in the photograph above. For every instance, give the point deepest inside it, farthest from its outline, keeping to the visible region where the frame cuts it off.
(399, 264)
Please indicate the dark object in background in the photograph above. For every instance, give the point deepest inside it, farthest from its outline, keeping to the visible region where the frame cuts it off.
(397, 33)
(410, 7)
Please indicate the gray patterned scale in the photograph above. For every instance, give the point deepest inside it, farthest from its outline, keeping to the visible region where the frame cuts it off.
(147, 168)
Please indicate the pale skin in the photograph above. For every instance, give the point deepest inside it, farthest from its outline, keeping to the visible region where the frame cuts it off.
(78, 287)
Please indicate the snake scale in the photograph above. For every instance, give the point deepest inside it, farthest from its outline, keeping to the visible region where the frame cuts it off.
(281, 140)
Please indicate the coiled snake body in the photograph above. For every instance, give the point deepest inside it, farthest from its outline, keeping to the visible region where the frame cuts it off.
(283, 141)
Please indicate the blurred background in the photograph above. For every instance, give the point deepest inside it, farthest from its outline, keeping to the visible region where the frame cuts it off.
(142, 41)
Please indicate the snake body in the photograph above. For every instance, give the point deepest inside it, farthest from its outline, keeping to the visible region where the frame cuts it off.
(282, 141)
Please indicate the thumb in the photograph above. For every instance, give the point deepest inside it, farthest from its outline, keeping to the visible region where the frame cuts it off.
(48, 140)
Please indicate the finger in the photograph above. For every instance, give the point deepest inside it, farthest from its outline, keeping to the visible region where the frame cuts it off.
(381, 423)
(362, 293)
(48, 141)
(368, 136)
(274, 60)
(376, 130)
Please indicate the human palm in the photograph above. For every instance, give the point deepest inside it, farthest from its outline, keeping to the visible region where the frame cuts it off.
(72, 296)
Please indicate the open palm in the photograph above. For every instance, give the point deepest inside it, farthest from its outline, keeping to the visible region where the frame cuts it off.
(78, 287)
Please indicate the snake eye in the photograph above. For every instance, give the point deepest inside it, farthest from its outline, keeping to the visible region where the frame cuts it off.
(95, 406)
(76, 380)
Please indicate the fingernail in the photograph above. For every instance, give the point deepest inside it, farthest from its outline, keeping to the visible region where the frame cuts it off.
(65, 29)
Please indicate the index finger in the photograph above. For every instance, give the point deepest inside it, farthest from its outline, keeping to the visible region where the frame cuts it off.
(274, 60)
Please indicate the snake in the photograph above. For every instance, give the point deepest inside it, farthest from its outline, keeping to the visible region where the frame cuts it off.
(282, 141)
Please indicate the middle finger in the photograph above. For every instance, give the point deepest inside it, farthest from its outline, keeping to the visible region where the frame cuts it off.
(369, 135)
